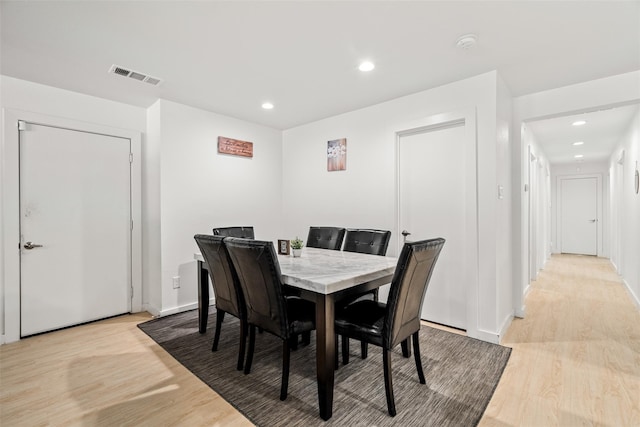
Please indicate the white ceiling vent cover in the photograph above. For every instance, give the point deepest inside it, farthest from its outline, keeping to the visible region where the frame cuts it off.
(121, 71)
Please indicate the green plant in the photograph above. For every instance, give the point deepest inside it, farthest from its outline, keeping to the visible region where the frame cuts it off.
(296, 243)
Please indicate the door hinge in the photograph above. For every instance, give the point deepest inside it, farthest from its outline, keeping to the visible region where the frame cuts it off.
(130, 157)
(22, 125)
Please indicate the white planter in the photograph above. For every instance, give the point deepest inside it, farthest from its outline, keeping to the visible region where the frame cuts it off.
(296, 252)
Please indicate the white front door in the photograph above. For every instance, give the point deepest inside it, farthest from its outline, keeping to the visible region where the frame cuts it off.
(579, 216)
(433, 203)
(75, 227)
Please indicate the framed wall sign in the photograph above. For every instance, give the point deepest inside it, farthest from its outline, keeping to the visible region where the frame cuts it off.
(283, 247)
(235, 147)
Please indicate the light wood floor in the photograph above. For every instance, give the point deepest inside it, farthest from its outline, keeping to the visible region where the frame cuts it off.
(575, 361)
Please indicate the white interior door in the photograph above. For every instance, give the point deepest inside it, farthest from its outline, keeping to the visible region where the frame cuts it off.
(579, 216)
(433, 203)
(75, 203)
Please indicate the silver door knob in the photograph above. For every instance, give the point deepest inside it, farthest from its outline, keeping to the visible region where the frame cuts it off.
(30, 245)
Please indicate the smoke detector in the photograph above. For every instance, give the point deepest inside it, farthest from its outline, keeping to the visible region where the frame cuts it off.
(467, 41)
(125, 72)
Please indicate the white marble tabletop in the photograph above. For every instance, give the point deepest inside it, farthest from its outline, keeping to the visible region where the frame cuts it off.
(325, 271)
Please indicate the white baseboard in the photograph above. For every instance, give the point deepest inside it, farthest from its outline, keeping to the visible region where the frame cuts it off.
(633, 296)
(487, 336)
(505, 325)
(521, 311)
(181, 308)
(613, 264)
(152, 310)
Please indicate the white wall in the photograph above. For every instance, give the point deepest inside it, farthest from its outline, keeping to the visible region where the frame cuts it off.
(598, 169)
(625, 209)
(365, 194)
(152, 255)
(504, 229)
(187, 187)
(589, 96)
(538, 203)
(29, 97)
(201, 189)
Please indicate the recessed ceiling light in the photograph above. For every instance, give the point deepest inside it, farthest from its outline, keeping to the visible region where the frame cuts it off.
(578, 143)
(267, 106)
(579, 123)
(467, 41)
(366, 66)
(578, 156)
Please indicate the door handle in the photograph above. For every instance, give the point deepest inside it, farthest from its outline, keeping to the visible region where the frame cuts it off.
(30, 245)
(592, 220)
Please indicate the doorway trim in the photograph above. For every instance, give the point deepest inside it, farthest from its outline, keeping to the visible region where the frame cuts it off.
(467, 118)
(10, 255)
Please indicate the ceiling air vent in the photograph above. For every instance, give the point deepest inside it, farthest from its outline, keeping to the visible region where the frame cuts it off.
(121, 71)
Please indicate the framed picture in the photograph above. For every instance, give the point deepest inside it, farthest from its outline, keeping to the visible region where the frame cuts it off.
(283, 247)
(337, 155)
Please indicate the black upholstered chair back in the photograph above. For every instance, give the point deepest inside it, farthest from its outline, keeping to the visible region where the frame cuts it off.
(374, 242)
(223, 276)
(408, 287)
(258, 271)
(244, 232)
(325, 237)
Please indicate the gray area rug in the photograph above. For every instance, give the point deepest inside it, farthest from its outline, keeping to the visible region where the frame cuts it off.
(462, 374)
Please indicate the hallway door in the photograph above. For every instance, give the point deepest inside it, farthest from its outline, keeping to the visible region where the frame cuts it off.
(75, 227)
(579, 216)
(433, 197)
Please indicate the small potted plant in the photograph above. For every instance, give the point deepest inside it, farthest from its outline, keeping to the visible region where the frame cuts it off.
(296, 247)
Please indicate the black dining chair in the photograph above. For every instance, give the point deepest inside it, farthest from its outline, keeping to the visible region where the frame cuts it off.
(268, 307)
(325, 237)
(387, 325)
(244, 232)
(229, 297)
(366, 241)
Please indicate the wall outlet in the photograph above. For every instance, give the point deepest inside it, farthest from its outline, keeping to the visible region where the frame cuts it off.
(176, 282)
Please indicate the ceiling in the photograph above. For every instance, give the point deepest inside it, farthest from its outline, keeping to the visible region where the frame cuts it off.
(303, 56)
(600, 134)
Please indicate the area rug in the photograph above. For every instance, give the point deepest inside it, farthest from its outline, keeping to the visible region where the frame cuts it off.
(462, 374)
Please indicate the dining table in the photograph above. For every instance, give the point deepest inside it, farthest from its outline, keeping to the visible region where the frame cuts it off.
(324, 277)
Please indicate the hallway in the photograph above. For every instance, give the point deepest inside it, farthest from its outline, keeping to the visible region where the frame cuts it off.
(576, 355)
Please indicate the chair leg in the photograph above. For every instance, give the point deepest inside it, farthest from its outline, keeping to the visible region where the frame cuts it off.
(306, 338)
(293, 342)
(345, 350)
(243, 343)
(416, 354)
(252, 346)
(406, 348)
(216, 338)
(388, 384)
(336, 353)
(364, 349)
(286, 353)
